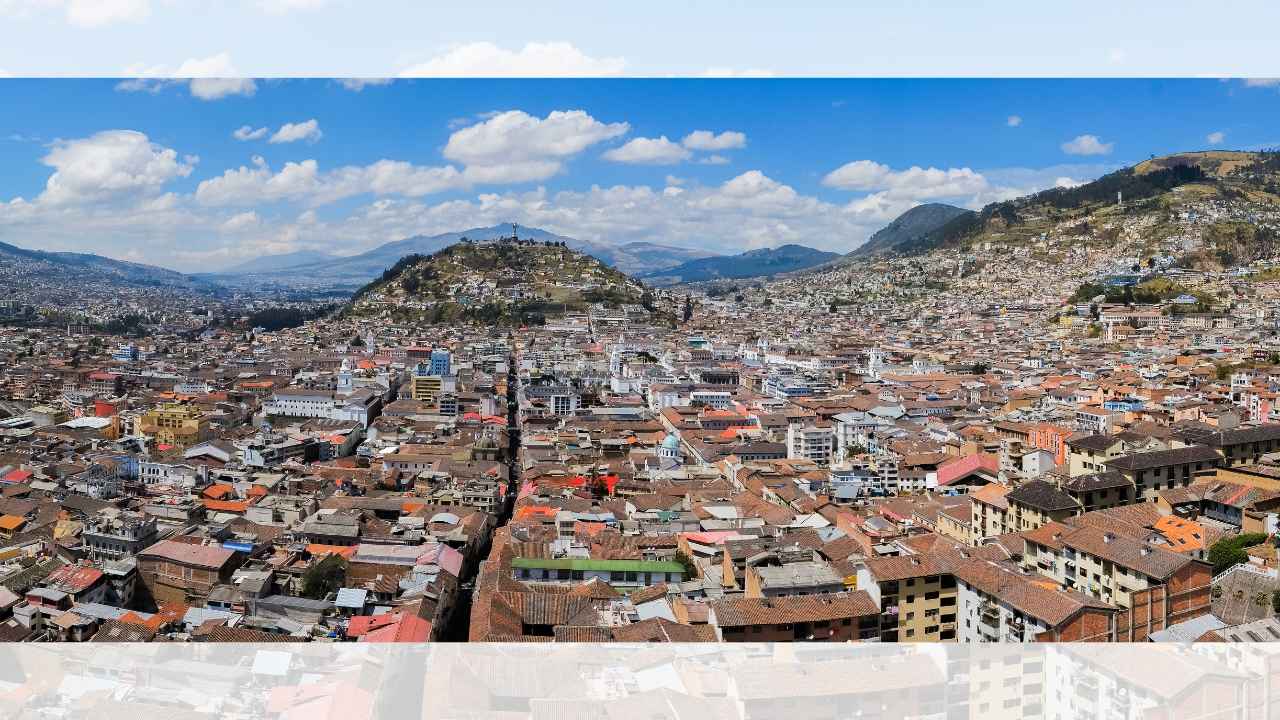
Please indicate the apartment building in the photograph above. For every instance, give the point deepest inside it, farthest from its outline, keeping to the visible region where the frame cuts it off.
(916, 595)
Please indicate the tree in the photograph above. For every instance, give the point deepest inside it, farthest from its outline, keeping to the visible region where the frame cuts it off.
(357, 342)
(690, 570)
(646, 300)
(324, 577)
(1230, 551)
(688, 308)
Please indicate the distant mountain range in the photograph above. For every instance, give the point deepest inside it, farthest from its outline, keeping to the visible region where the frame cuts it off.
(316, 269)
(41, 266)
(753, 263)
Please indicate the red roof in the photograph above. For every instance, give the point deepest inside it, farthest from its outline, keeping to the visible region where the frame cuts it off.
(17, 476)
(409, 628)
(963, 467)
(72, 579)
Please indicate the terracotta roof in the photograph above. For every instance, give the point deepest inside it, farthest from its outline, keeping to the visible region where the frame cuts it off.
(737, 612)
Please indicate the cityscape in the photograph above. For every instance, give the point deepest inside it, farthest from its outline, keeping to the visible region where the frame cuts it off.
(947, 410)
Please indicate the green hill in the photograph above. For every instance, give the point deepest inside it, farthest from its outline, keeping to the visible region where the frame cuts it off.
(497, 283)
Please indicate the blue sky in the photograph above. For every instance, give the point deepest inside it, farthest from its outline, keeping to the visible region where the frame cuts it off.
(151, 170)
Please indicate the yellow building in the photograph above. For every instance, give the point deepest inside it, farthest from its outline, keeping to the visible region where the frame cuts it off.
(426, 388)
(916, 596)
(175, 424)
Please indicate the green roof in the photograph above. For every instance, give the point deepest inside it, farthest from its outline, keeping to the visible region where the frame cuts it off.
(650, 566)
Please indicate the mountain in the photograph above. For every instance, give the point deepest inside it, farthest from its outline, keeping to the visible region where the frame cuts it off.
(353, 271)
(753, 263)
(501, 282)
(283, 261)
(34, 270)
(1155, 191)
(909, 230)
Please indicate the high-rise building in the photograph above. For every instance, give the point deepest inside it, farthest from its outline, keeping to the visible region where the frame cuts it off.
(440, 362)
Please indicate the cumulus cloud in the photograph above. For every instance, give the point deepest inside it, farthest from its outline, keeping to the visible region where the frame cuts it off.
(1087, 145)
(293, 132)
(211, 78)
(708, 140)
(108, 164)
(241, 222)
(914, 183)
(303, 181)
(649, 151)
(514, 146)
(1215, 138)
(1014, 121)
(246, 133)
(484, 59)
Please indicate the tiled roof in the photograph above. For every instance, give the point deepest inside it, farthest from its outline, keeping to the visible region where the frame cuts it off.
(737, 612)
(1042, 496)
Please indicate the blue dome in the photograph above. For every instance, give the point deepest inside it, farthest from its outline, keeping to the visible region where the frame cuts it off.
(671, 442)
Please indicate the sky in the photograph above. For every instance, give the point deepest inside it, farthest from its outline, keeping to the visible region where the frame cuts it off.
(204, 174)
(129, 128)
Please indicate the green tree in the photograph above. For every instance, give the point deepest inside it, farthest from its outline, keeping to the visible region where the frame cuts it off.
(690, 570)
(688, 308)
(1231, 550)
(324, 577)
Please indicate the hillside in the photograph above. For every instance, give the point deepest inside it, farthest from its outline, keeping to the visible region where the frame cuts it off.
(23, 268)
(311, 269)
(1153, 194)
(496, 283)
(753, 263)
(909, 230)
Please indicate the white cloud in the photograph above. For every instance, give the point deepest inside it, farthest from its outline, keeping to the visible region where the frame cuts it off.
(1215, 138)
(211, 78)
(109, 164)
(1087, 145)
(303, 181)
(241, 222)
(914, 183)
(484, 59)
(1116, 56)
(96, 13)
(246, 133)
(714, 160)
(514, 146)
(1261, 82)
(293, 132)
(1014, 121)
(358, 84)
(708, 140)
(1066, 182)
(649, 151)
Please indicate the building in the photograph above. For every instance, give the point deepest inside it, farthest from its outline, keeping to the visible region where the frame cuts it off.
(837, 617)
(1151, 472)
(916, 595)
(183, 573)
(115, 535)
(619, 573)
(1001, 605)
(176, 424)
